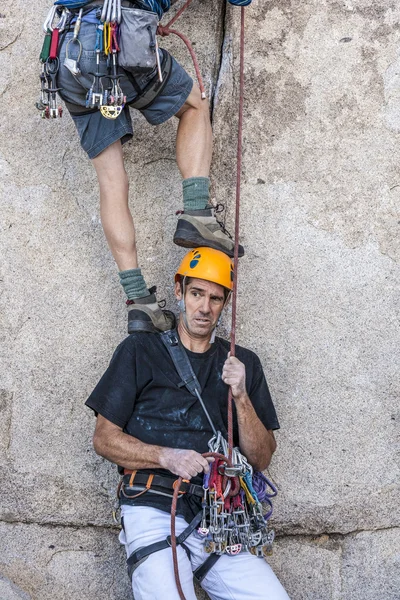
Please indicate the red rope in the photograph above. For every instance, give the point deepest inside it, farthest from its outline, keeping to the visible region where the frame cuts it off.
(165, 30)
(178, 14)
(236, 249)
(234, 294)
(217, 457)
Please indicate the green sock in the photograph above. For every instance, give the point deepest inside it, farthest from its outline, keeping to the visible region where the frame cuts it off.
(195, 193)
(133, 283)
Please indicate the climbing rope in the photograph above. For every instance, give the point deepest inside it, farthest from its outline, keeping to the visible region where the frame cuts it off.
(237, 214)
(216, 456)
(165, 30)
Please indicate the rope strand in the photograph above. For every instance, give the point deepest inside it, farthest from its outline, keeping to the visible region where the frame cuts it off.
(216, 456)
(165, 31)
(237, 215)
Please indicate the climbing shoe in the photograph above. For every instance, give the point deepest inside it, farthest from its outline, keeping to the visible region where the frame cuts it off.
(197, 228)
(145, 314)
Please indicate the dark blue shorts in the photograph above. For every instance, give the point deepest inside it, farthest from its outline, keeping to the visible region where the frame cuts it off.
(96, 132)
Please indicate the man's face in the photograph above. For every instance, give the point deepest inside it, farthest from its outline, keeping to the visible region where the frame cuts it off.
(204, 302)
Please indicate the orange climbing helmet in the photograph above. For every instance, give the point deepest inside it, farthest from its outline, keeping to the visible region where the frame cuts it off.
(209, 264)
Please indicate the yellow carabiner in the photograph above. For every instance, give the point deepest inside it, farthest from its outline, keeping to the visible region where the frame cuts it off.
(105, 35)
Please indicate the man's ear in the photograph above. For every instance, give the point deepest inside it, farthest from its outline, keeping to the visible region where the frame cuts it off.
(178, 290)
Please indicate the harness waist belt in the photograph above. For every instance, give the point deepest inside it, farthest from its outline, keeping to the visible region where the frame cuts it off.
(134, 481)
(144, 98)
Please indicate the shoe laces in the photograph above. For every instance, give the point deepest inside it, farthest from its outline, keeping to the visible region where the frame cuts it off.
(161, 303)
(219, 208)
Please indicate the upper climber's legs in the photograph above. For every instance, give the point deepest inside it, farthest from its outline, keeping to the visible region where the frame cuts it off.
(119, 230)
(115, 215)
(194, 137)
(197, 226)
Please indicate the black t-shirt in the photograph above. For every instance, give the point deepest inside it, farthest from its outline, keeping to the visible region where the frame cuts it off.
(141, 393)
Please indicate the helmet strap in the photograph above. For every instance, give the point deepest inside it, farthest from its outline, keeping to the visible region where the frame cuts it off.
(181, 303)
(214, 332)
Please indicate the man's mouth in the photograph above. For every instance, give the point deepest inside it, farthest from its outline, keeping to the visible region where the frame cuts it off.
(202, 321)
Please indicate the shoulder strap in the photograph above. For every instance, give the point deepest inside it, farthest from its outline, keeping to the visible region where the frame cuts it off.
(182, 364)
(181, 361)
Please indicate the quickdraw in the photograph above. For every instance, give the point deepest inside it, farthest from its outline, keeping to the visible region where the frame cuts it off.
(47, 104)
(233, 520)
(69, 63)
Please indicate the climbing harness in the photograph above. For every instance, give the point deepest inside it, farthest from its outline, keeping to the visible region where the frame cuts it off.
(117, 27)
(134, 484)
(231, 519)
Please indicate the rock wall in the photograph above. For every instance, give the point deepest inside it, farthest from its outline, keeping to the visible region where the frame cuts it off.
(318, 294)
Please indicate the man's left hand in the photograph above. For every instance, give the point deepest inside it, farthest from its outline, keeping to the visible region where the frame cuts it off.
(234, 375)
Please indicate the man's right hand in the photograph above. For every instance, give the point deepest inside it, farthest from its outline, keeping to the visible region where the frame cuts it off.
(184, 463)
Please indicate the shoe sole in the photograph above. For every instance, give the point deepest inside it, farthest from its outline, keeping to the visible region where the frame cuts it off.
(188, 236)
(140, 323)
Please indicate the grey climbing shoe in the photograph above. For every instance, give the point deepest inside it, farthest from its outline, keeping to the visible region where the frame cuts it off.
(146, 315)
(200, 228)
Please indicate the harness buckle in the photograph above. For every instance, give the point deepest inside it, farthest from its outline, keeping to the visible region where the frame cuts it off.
(174, 485)
(172, 339)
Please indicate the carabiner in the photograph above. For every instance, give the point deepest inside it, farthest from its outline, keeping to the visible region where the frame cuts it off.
(63, 19)
(48, 24)
(49, 19)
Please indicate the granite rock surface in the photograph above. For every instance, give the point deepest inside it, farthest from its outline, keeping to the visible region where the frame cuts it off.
(318, 291)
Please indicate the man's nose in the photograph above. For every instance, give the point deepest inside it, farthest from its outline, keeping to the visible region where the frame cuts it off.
(205, 305)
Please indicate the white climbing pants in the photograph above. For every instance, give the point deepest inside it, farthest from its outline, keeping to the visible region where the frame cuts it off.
(240, 577)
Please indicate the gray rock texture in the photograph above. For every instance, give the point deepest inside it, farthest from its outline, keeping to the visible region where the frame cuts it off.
(318, 292)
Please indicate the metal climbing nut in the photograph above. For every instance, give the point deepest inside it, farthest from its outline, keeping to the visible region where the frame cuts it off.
(234, 471)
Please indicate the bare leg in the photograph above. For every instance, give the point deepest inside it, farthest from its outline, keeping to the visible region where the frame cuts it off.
(194, 137)
(198, 225)
(114, 209)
